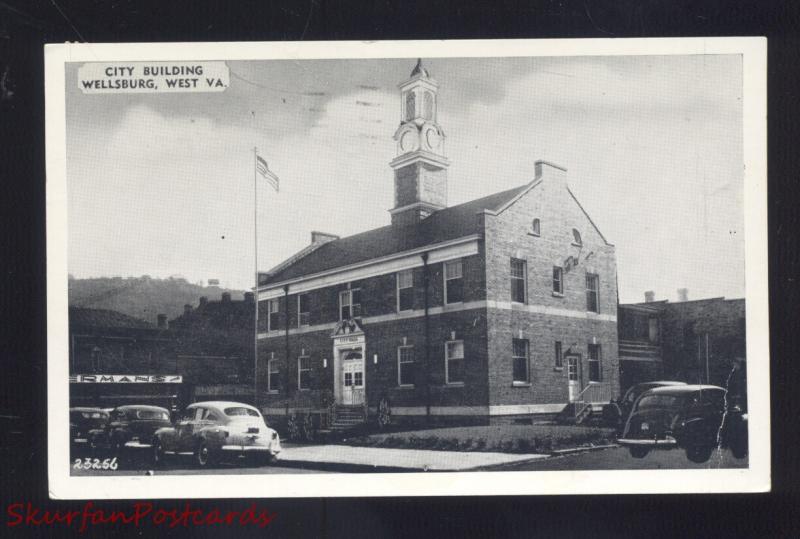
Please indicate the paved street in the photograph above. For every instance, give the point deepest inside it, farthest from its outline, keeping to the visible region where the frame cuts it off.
(608, 459)
(619, 459)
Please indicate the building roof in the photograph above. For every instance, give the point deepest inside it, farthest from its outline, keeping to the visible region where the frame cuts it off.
(419, 69)
(105, 318)
(443, 225)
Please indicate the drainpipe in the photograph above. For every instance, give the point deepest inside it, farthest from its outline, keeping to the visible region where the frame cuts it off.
(425, 282)
(286, 322)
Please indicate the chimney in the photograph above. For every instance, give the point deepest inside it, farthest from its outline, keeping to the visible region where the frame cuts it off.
(226, 297)
(162, 321)
(649, 296)
(322, 237)
(203, 301)
(187, 309)
(550, 172)
(683, 294)
(249, 297)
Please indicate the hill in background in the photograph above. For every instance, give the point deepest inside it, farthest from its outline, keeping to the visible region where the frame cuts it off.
(143, 297)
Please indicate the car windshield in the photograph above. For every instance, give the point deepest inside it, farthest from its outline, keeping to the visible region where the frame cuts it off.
(659, 401)
(152, 414)
(240, 411)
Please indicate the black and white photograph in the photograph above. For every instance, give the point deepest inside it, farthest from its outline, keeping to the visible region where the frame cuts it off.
(417, 268)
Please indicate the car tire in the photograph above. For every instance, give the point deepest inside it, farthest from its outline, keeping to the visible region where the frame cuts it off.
(157, 453)
(699, 454)
(202, 455)
(639, 452)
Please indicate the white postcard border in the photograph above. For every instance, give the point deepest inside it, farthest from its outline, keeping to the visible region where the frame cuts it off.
(754, 479)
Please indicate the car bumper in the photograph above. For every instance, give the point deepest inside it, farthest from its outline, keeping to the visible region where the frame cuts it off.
(667, 442)
(251, 449)
(135, 444)
(80, 441)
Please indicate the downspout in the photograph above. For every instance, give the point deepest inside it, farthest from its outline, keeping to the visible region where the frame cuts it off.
(425, 282)
(286, 333)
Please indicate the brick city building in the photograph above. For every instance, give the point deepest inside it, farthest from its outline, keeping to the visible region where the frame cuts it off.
(495, 310)
(696, 341)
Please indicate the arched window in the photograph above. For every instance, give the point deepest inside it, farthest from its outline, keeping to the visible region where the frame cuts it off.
(427, 104)
(536, 227)
(411, 105)
(576, 237)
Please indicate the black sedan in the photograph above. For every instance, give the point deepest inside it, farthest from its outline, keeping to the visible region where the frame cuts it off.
(696, 418)
(617, 411)
(129, 426)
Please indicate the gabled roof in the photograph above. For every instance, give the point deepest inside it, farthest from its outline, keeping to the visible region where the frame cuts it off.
(105, 318)
(443, 225)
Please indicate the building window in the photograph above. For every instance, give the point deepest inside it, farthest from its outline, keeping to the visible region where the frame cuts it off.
(274, 314)
(454, 362)
(303, 309)
(405, 290)
(411, 102)
(518, 271)
(405, 366)
(595, 372)
(453, 282)
(349, 304)
(559, 356)
(536, 229)
(592, 293)
(303, 372)
(558, 280)
(273, 376)
(521, 365)
(427, 103)
(576, 237)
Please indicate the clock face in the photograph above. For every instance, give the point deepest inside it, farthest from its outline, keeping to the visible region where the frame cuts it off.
(408, 141)
(432, 138)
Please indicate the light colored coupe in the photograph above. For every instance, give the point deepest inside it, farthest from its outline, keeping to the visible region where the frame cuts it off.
(211, 431)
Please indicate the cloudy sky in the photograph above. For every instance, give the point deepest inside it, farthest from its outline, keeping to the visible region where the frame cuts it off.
(162, 184)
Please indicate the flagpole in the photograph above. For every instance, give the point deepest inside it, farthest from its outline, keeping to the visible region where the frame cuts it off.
(255, 269)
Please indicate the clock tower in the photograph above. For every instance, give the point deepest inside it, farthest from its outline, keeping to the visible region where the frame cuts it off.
(420, 168)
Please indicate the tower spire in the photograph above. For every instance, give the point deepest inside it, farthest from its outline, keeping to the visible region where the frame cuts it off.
(420, 168)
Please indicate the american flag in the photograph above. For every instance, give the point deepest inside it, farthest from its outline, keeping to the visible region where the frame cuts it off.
(263, 169)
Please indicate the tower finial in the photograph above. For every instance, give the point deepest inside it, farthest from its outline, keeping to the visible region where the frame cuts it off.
(420, 70)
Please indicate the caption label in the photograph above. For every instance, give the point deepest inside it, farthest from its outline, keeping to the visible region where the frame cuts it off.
(153, 77)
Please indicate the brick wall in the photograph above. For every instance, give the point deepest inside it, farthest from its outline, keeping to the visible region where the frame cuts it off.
(508, 235)
(383, 339)
(379, 295)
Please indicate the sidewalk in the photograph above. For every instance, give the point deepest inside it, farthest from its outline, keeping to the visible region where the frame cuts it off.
(345, 458)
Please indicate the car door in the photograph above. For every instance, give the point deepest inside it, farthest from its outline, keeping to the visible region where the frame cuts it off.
(186, 427)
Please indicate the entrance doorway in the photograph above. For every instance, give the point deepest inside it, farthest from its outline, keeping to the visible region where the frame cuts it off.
(574, 376)
(352, 377)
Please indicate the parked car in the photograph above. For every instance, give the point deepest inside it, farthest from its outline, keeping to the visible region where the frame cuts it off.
(210, 431)
(82, 420)
(616, 412)
(695, 418)
(129, 426)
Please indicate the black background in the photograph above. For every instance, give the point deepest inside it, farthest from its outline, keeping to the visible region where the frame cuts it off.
(26, 26)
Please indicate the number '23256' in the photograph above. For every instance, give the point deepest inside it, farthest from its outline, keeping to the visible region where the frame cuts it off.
(95, 464)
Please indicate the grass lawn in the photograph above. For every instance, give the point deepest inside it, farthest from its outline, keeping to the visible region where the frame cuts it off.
(505, 438)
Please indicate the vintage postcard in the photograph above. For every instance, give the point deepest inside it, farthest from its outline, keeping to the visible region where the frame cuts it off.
(407, 268)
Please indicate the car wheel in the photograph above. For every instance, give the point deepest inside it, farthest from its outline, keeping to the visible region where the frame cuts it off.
(157, 453)
(699, 453)
(638, 452)
(202, 455)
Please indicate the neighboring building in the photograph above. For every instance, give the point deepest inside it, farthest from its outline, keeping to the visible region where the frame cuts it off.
(693, 341)
(206, 353)
(214, 347)
(118, 359)
(497, 309)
